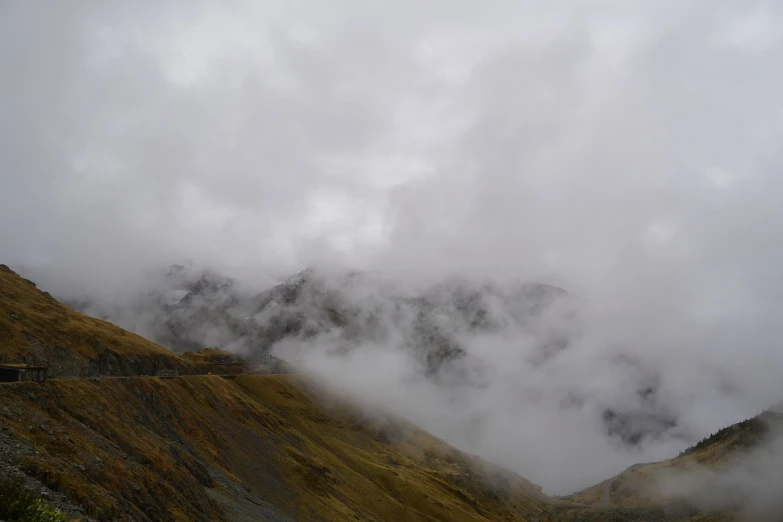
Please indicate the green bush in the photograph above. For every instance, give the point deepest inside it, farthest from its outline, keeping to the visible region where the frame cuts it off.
(19, 505)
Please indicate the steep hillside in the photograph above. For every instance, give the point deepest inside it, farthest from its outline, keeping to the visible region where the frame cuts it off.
(208, 448)
(725, 471)
(36, 328)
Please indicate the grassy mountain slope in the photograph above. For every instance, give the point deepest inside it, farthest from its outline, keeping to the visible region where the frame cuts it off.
(693, 473)
(152, 448)
(35, 328)
(274, 447)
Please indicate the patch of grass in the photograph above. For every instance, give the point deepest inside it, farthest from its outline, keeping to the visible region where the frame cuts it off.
(19, 505)
(217, 361)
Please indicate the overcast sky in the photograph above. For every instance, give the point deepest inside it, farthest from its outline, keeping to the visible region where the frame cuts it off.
(592, 141)
(627, 150)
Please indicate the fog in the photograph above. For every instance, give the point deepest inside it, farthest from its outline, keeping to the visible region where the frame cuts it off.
(748, 482)
(628, 152)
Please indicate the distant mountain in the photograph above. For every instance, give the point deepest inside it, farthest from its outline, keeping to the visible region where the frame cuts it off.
(185, 309)
(189, 309)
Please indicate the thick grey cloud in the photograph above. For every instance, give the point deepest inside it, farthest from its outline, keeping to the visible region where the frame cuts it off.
(628, 151)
